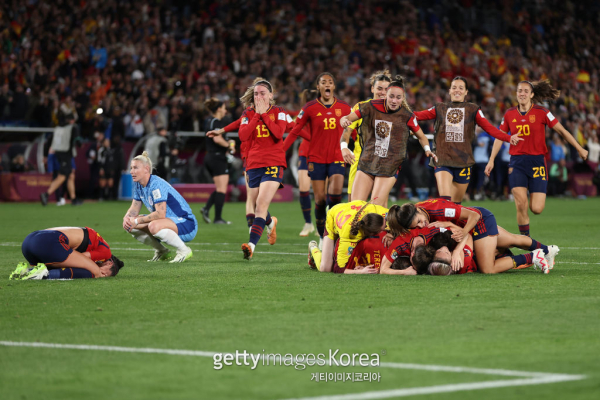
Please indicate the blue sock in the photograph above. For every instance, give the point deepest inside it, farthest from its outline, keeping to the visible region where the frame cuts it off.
(537, 245)
(320, 216)
(250, 219)
(257, 230)
(268, 219)
(522, 259)
(333, 200)
(524, 229)
(69, 273)
(306, 206)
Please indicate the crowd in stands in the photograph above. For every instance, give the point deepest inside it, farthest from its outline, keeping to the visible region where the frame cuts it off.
(127, 68)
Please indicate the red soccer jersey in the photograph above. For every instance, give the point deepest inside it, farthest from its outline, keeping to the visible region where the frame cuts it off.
(402, 245)
(235, 126)
(325, 130)
(444, 210)
(530, 126)
(479, 120)
(97, 246)
(470, 265)
(304, 147)
(264, 135)
(368, 251)
(380, 106)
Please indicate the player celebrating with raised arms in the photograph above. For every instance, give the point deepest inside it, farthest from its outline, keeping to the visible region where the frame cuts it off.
(453, 137)
(386, 127)
(380, 81)
(325, 161)
(262, 127)
(171, 219)
(527, 167)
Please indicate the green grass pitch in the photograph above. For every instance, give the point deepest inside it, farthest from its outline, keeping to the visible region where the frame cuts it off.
(217, 302)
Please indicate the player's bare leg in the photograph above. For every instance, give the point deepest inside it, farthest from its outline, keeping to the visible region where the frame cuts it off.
(381, 190)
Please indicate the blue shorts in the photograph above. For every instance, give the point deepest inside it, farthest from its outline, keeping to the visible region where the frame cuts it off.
(529, 172)
(186, 228)
(256, 176)
(302, 163)
(320, 171)
(46, 247)
(54, 163)
(459, 175)
(486, 226)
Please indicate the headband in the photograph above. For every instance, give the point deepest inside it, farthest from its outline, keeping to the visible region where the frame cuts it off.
(265, 83)
(530, 84)
(396, 84)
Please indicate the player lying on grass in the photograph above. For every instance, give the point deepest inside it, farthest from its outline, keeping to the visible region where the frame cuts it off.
(481, 224)
(346, 225)
(66, 253)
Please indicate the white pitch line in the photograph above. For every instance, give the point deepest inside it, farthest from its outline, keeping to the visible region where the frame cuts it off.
(532, 378)
(386, 394)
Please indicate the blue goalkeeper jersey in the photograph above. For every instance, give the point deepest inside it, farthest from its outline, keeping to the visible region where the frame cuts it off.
(158, 190)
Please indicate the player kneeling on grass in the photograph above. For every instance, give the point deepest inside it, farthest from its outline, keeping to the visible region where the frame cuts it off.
(66, 253)
(171, 219)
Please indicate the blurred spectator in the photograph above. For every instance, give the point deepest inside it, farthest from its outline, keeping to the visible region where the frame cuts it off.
(594, 149)
(134, 127)
(558, 179)
(501, 170)
(481, 156)
(557, 148)
(157, 146)
(17, 164)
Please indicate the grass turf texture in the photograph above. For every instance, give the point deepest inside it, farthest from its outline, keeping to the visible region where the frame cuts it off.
(521, 320)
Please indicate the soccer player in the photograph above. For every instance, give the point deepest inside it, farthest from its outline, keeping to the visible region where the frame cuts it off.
(527, 167)
(487, 235)
(171, 219)
(453, 137)
(347, 224)
(385, 131)
(404, 245)
(66, 253)
(325, 161)
(380, 81)
(262, 127)
(215, 160)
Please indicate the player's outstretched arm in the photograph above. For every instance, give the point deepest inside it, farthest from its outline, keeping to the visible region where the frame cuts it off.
(583, 153)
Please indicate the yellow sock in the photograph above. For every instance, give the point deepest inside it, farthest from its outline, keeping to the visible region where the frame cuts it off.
(316, 253)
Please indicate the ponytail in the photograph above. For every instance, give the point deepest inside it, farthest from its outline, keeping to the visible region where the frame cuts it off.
(542, 90)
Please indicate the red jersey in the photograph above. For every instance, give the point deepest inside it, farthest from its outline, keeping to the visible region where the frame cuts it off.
(531, 126)
(402, 245)
(290, 139)
(470, 265)
(304, 147)
(380, 105)
(325, 130)
(264, 135)
(479, 120)
(368, 251)
(444, 210)
(97, 246)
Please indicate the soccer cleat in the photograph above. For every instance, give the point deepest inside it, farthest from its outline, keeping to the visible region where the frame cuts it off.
(76, 202)
(36, 273)
(272, 235)
(204, 213)
(552, 252)
(539, 261)
(18, 273)
(523, 266)
(160, 255)
(222, 222)
(61, 202)
(308, 228)
(311, 259)
(247, 251)
(182, 256)
(44, 198)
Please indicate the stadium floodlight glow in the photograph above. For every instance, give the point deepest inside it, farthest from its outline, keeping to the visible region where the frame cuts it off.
(99, 111)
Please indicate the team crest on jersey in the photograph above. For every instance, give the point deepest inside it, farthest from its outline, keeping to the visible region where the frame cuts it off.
(382, 137)
(532, 119)
(338, 112)
(455, 125)
(272, 116)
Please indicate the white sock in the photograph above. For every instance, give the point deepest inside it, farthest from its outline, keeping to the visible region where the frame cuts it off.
(271, 225)
(171, 238)
(252, 246)
(146, 239)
